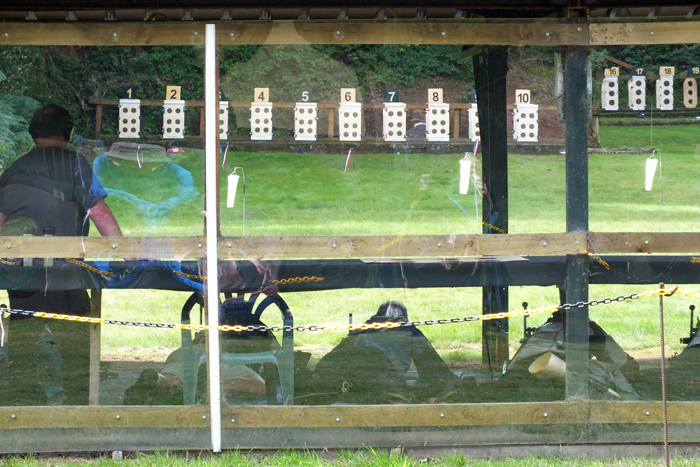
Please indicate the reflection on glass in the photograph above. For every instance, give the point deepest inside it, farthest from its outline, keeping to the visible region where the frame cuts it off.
(146, 183)
(50, 191)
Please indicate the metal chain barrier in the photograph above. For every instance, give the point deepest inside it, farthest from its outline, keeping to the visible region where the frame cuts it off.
(355, 327)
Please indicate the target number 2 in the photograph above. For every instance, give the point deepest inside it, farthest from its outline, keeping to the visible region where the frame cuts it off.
(172, 93)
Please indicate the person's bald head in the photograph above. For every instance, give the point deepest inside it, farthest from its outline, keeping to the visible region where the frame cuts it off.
(51, 122)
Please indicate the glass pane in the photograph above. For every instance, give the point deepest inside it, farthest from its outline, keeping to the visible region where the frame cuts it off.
(85, 153)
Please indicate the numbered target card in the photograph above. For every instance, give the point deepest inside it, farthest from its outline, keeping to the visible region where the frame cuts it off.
(609, 92)
(349, 116)
(394, 116)
(173, 114)
(664, 88)
(690, 88)
(437, 118)
(223, 115)
(261, 115)
(637, 88)
(305, 116)
(129, 113)
(525, 118)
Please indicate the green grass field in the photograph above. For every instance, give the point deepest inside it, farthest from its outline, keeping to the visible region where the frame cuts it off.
(362, 458)
(308, 194)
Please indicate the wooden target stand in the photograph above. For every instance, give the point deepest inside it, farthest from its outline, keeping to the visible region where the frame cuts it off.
(575, 243)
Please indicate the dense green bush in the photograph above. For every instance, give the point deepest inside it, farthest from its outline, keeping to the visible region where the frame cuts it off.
(15, 111)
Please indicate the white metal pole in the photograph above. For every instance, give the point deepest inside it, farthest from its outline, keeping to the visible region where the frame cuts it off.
(211, 127)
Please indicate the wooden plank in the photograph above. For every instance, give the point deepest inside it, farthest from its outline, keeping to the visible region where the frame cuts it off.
(606, 34)
(644, 412)
(179, 248)
(346, 416)
(402, 32)
(432, 246)
(286, 32)
(95, 340)
(343, 416)
(104, 34)
(98, 121)
(144, 102)
(331, 122)
(290, 105)
(14, 418)
(455, 125)
(650, 242)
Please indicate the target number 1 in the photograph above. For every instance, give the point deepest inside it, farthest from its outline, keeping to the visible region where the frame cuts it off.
(522, 96)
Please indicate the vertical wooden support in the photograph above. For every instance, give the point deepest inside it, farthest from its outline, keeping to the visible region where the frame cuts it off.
(455, 125)
(95, 339)
(490, 69)
(331, 122)
(576, 320)
(98, 121)
(201, 122)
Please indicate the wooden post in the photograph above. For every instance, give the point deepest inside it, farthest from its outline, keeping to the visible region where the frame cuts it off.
(331, 122)
(95, 340)
(576, 321)
(98, 121)
(455, 126)
(201, 122)
(490, 69)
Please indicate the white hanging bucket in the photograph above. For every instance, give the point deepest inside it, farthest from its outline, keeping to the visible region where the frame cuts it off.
(548, 364)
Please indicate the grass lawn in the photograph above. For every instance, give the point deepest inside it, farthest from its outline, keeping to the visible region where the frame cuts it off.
(391, 194)
(361, 458)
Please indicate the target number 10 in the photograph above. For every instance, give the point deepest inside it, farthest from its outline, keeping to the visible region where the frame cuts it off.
(522, 96)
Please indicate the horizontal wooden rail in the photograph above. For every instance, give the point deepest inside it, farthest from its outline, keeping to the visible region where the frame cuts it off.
(352, 416)
(291, 105)
(370, 246)
(285, 105)
(289, 32)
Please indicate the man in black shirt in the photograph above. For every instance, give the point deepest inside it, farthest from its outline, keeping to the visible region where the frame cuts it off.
(50, 191)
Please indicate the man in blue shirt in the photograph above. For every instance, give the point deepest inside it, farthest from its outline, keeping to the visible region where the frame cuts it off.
(50, 191)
